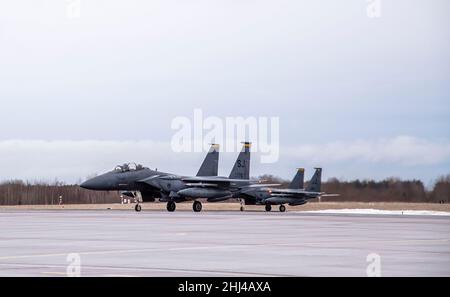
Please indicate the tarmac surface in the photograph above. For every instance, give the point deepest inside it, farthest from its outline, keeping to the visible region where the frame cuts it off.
(221, 243)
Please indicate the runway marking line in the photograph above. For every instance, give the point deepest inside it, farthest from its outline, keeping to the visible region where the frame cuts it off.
(120, 251)
(54, 273)
(197, 271)
(216, 247)
(119, 275)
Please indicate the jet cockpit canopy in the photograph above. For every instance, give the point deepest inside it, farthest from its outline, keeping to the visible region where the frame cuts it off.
(128, 167)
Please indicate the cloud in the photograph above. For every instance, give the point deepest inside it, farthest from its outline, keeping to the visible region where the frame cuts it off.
(401, 150)
(72, 161)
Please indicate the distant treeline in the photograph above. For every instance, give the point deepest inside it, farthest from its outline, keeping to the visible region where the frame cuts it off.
(389, 190)
(21, 193)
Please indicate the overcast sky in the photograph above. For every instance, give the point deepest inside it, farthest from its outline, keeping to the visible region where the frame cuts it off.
(363, 97)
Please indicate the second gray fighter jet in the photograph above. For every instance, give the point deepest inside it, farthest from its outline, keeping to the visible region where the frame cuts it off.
(293, 195)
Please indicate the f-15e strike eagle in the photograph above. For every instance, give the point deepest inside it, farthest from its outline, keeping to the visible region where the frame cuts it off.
(295, 194)
(147, 185)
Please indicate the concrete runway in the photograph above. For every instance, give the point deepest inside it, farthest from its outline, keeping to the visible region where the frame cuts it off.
(157, 243)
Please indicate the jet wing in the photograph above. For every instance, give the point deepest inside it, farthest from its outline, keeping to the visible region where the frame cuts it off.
(293, 191)
(262, 185)
(300, 192)
(251, 188)
(215, 180)
(201, 185)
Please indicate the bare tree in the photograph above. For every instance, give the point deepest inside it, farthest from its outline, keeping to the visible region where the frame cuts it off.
(17, 192)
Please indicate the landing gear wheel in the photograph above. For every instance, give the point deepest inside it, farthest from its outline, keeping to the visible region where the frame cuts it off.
(197, 206)
(282, 208)
(171, 206)
(268, 207)
(242, 208)
(138, 208)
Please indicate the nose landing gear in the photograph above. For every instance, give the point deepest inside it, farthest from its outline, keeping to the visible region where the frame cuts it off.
(268, 207)
(282, 208)
(137, 207)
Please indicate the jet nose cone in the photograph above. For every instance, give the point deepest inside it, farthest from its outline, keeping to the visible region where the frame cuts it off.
(96, 183)
(88, 184)
(104, 182)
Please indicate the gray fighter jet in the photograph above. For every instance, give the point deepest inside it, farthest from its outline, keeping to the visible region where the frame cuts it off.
(175, 188)
(293, 195)
(130, 179)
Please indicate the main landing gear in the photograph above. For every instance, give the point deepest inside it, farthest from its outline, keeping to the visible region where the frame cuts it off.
(137, 207)
(197, 206)
(171, 206)
(269, 207)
